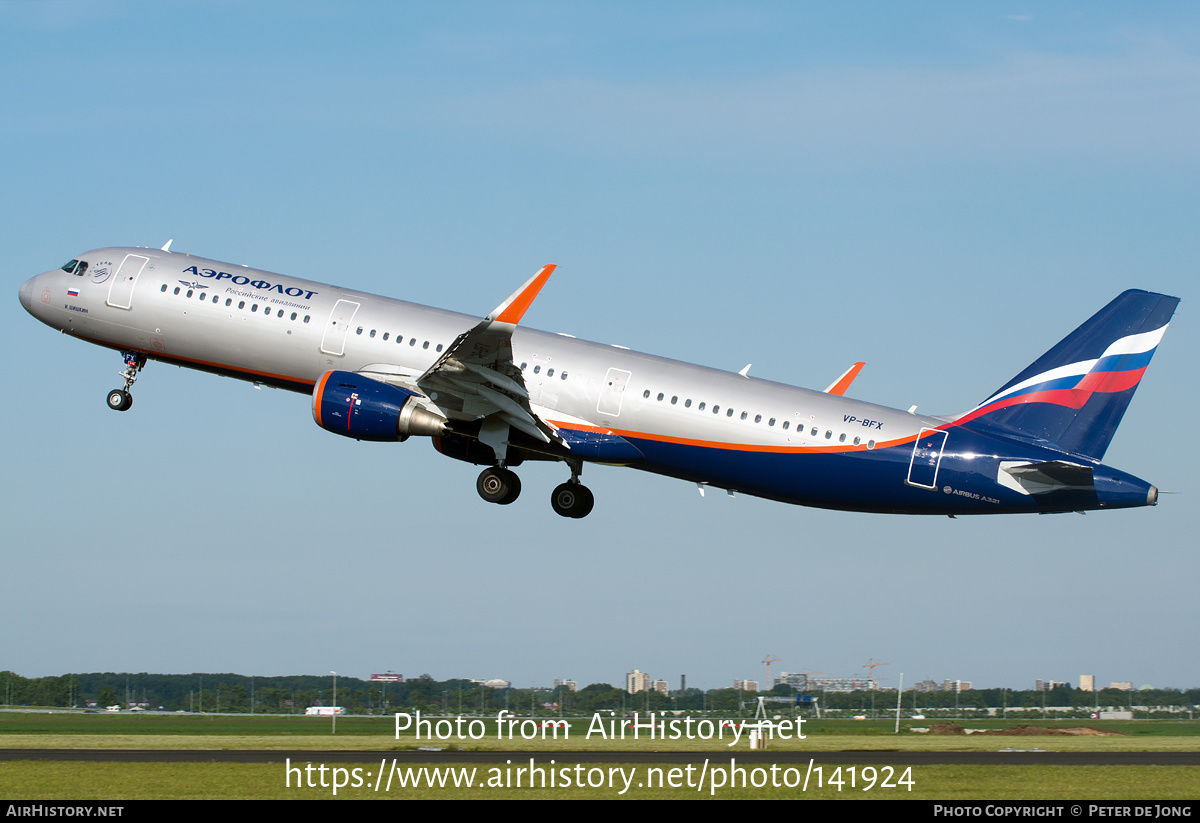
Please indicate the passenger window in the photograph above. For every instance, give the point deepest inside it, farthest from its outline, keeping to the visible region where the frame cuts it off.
(254, 307)
(524, 366)
(176, 290)
(828, 434)
(241, 304)
(412, 341)
(857, 440)
(164, 288)
(842, 437)
(745, 415)
(758, 419)
(660, 397)
(870, 444)
(228, 301)
(729, 412)
(360, 330)
(549, 372)
(716, 409)
(538, 370)
(674, 399)
(306, 318)
(293, 317)
(426, 345)
(701, 406)
(439, 347)
(785, 424)
(372, 333)
(562, 376)
(687, 404)
(814, 431)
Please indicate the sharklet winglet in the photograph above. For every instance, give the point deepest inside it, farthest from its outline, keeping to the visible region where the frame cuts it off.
(840, 385)
(514, 308)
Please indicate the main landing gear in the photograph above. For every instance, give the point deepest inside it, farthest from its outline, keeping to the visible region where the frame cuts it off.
(121, 399)
(498, 485)
(571, 499)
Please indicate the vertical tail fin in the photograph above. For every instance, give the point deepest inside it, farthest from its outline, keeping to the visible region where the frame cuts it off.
(1074, 396)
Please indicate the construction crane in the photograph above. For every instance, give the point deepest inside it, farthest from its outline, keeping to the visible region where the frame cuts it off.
(767, 661)
(871, 664)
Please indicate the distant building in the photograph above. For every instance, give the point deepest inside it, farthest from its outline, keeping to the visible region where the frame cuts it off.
(1123, 686)
(840, 684)
(1047, 685)
(796, 681)
(958, 686)
(637, 681)
(570, 684)
(1087, 683)
(661, 686)
(745, 685)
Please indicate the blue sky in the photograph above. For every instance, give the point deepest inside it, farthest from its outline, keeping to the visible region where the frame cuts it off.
(943, 190)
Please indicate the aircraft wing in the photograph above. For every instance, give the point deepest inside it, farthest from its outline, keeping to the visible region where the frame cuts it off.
(476, 376)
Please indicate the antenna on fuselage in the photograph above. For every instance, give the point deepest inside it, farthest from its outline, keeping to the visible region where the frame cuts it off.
(167, 245)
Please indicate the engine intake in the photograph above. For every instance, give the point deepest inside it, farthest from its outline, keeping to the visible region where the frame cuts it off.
(355, 406)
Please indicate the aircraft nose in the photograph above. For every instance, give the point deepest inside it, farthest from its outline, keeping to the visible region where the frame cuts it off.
(27, 294)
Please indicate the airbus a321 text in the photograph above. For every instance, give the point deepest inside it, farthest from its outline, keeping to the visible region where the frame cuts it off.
(493, 394)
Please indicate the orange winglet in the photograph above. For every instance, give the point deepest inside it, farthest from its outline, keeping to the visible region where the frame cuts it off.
(842, 383)
(514, 308)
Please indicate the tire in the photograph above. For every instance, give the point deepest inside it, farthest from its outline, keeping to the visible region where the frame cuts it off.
(572, 500)
(119, 400)
(499, 486)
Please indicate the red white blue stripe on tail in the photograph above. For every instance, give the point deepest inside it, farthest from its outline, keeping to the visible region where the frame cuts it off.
(1074, 396)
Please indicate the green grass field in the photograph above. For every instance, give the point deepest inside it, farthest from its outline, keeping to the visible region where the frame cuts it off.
(118, 781)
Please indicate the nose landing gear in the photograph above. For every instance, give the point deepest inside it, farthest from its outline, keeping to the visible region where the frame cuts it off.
(121, 399)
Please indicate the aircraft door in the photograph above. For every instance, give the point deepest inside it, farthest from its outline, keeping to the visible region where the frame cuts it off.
(337, 327)
(612, 391)
(120, 291)
(926, 457)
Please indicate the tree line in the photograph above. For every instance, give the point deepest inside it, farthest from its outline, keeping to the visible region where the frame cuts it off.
(236, 693)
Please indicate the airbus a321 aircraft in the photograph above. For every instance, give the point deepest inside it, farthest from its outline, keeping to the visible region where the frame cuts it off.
(492, 394)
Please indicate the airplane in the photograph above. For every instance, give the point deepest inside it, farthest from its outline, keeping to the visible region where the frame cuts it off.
(495, 394)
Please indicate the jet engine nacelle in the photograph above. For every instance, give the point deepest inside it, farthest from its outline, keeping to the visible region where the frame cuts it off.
(355, 406)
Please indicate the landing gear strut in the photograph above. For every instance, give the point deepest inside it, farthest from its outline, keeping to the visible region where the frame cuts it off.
(498, 485)
(573, 499)
(121, 399)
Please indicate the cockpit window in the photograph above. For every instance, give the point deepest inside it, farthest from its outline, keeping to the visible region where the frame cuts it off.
(69, 268)
(82, 268)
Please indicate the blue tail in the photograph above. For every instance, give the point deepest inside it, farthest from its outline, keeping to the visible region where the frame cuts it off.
(1074, 396)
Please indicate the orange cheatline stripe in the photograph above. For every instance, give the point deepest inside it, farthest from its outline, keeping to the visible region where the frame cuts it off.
(521, 303)
(155, 354)
(737, 447)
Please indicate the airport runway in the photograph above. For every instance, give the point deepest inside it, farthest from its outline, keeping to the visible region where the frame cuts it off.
(1029, 757)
